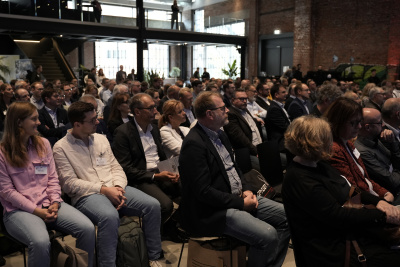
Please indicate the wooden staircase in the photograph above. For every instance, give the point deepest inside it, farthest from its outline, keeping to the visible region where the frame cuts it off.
(51, 69)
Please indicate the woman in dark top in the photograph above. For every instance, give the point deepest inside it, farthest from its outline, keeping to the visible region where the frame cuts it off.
(119, 112)
(313, 194)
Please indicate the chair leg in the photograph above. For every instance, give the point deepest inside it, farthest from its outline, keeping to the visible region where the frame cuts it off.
(180, 256)
(24, 255)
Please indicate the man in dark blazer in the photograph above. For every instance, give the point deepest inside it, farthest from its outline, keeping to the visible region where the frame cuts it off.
(137, 147)
(263, 91)
(121, 75)
(299, 105)
(242, 128)
(215, 200)
(54, 121)
(277, 119)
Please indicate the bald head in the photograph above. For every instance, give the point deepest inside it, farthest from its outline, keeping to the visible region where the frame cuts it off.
(391, 112)
(372, 123)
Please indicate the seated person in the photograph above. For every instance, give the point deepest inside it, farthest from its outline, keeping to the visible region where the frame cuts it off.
(137, 147)
(313, 194)
(345, 117)
(243, 129)
(96, 183)
(30, 192)
(119, 112)
(381, 163)
(171, 133)
(53, 120)
(215, 199)
(102, 126)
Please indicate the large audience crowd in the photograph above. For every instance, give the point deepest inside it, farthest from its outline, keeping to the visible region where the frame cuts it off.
(101, 145)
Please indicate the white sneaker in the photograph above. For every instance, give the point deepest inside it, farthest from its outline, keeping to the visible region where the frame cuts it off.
(155, 264)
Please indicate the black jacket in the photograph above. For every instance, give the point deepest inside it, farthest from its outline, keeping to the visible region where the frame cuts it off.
(128, 150)
(206, 193)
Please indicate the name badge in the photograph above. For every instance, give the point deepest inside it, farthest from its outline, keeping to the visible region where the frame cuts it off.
(101, 161)
(356, 153)
(40, 169)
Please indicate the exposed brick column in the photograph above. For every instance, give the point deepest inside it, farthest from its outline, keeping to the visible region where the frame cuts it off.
(302, 51)
(393, 60)
(252, 43)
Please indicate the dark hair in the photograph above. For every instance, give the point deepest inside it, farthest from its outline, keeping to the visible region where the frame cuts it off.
(226, 85)
(151, 92)
(48, 92)
(196, 83)
(204, 102)
(275, 89)
(118, 99)
(237, 91)
(77, 110)
(260, 86)
(340, 112)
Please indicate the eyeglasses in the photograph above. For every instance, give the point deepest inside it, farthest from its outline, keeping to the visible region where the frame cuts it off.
(241, 98)
(381, 122)
(149, 108)
(253, 91)
(92, 121)
(58, 96)
(67, 90)
(223, 108)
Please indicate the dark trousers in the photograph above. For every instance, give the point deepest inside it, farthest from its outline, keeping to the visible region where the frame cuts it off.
(164, 192)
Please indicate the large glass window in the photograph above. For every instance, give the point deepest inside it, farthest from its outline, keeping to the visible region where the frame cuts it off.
(157, 59)
(216, 57)
(110, 55)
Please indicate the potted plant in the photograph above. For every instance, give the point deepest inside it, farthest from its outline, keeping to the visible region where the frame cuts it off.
(231, 72)
(175, 72)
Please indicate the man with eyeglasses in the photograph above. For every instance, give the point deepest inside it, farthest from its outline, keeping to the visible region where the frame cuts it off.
(137, 147)
(36, 99)
(67, 95)
(54, 121)
(216, 200)
(300, 105)
(382, 163)
(97, 185)
(376, 98)
(243, 129)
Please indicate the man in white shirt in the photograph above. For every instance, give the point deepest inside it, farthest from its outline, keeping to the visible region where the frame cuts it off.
(92, 177)
(186, 97)
(252, 106)
(137, 147)
(36, 99)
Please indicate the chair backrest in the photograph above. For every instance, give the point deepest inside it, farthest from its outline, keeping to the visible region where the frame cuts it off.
(270, 162)
(242, 156)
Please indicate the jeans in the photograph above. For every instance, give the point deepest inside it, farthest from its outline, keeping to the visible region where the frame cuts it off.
(266, 231)
(99, 209)
(31, 230)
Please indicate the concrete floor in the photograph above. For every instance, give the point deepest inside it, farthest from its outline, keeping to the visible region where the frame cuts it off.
(172, 251)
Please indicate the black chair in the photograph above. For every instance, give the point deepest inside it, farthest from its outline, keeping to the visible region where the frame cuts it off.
(52, 234)
(20, 245)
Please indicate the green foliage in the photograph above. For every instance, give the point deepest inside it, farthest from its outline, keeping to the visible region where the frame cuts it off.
(232, 70)
(149, 76)
(4, 69)
(175, 72)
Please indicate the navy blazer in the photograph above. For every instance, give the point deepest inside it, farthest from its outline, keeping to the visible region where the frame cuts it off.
(296, 109)
(239, 131)
(128, 150)
(52, 133)
(276, 124)
(206, 193)
(262, 103)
